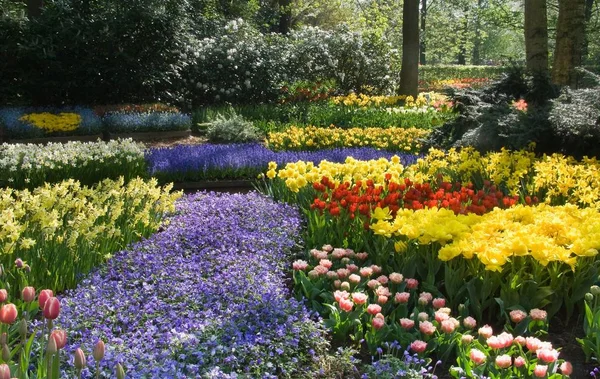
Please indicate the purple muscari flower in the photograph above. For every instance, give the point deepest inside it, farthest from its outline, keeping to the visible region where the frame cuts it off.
(206, 297)
(246, 160)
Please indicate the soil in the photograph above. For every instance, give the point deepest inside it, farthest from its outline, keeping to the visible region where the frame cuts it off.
(170, 142)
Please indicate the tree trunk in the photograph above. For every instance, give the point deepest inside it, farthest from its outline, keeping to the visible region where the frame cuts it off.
(285, 17)
(477, 41)
(34, 8)
(536, 36)
(589, 5)
(423, 57)
(409, 74)
(570, 34)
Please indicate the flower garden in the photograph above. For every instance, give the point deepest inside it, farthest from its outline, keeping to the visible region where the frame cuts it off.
(358, 255)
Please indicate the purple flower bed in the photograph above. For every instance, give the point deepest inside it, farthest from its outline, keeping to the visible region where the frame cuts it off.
(205, 297)
(242, 161)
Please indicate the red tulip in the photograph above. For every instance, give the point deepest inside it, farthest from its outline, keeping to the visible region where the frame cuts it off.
(60, 337)
(44, 295)
(3, 295)
(28, 294)
(51, 308)
(8, 313)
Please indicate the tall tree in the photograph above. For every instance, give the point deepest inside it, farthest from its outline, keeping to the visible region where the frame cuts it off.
(409, 74)
(285, 16)
(570, 36)
(423, 57)
(536, 36)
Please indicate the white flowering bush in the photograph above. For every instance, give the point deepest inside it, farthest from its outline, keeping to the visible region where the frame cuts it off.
(357, 62)
(238, 65)
(241, 65)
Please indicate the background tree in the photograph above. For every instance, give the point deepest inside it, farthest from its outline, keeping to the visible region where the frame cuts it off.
(409, 74)
(536, 36)
(570, 35)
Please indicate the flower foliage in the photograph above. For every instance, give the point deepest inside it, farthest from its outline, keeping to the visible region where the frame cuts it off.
(204, 298)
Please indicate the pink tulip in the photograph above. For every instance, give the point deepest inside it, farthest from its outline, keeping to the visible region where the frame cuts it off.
(8, 313)
(60, 337)
(299, 265)
(517, 316)
(80, 361)
(448, 326)
(44, 295)
(396, 278)
(359, 298)
(28, 294)
(427, 328)
(51, 308)
(439, 303)
(538, 314)
(373, 309)
(378, 323)
(503, 361)
(566, 368)
(486, 331)
(326, 263)
(547, 355)
(466, 339)
(411, 284)
(366, 272)
(382, 300)
(338, 295)
(540, 371)
(98, 351)
(407, 323)
(469, 322)
(401, 297)
(3, 295)
(520, 362)
(418, 346)
(346, 305)
(477, 356)
(4, 371)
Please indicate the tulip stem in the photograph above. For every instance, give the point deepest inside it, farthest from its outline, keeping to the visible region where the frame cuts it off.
(97, 370)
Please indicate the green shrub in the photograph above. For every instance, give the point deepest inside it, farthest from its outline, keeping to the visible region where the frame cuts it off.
(233, 128)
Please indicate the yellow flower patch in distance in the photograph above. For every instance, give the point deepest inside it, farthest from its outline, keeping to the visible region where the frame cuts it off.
(311, 137)
(62, 122)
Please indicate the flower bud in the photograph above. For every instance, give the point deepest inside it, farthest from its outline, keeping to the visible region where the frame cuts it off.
(3, 338)
(8, 313)
(19, 263)
(461, 307)
(60, 337)
(44, 295)
(589, 297)
(51, 308)
(51, 348)
(595, 290)
(28, 294)
(23, 329)
(3, 295)
(80, 361)
(4, 371)
(120, 372)
(5, 353)
(98, 351)
(345, 286)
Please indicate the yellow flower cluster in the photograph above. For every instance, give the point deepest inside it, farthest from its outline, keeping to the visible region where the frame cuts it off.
(563, 179)
(510, 169)
(70, 215)
(545, 233)
(62, 122)
(398, 139)
(363, 100)
(299, 174)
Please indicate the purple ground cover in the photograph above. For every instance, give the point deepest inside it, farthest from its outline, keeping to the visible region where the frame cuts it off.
(204, 297)
(242, 161)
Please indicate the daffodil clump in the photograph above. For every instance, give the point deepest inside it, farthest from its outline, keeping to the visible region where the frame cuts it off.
(314, 138)
(362, 100)
(66, 229)
(50, 123)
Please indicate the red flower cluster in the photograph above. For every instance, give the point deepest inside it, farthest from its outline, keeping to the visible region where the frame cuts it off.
(408, 195)
(305, 92)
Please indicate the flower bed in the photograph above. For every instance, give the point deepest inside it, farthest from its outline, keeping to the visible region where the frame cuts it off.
(314, 138)
(28, 123)
(135, 121)
(30, 166)
(205, 297)
(64, 230)
(239, 161)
